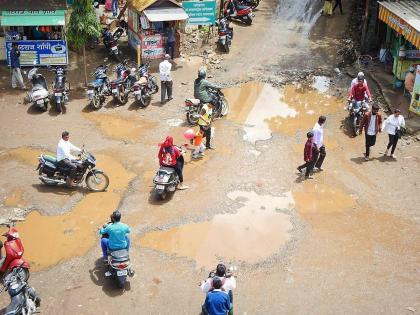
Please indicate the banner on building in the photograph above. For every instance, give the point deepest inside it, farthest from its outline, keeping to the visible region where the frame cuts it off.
(40, 52)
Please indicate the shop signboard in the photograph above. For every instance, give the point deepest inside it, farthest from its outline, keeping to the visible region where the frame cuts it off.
(200, 12)
(40, 52)
(415, 99)
(412, 54)
(152, 46)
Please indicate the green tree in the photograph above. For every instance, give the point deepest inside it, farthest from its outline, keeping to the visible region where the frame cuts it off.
(82, 27)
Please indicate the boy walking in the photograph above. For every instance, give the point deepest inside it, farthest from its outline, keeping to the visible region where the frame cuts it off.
(310, 155)
(199, 145)
(372, 123)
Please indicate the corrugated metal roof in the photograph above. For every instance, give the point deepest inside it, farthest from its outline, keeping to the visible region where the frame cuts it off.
(408, 10)
(141, 5)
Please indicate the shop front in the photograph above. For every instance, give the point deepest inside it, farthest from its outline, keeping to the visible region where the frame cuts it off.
(148, 24)
(39, 33)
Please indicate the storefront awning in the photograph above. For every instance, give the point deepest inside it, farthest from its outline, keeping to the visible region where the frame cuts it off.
(165, 14)
(403, 17)
(32, 18)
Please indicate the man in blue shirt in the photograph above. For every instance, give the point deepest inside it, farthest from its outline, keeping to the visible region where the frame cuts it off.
(217, 302)
(117, 236)
(15, 65)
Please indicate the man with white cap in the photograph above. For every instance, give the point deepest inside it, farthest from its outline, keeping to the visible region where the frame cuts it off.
(354, 81)
(165, 79)
(409, 79)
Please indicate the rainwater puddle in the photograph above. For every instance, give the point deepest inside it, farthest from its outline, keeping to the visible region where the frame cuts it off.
(263, 109)
(258, 230)
(51, 239)
(120, 128)
(321, 83)
(15, 198)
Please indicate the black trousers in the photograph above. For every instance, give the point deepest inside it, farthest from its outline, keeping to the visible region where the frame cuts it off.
(338, 3)
(70, 166)
(165, 89)
(370, 142)
(320, 157)
(308, 166)
(207, 134)
(393, 140)
(178, 167)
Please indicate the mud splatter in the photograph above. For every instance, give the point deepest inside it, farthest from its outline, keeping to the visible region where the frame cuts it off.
(254, 233)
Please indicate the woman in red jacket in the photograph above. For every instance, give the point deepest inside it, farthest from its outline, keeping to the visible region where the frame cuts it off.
(171, 156)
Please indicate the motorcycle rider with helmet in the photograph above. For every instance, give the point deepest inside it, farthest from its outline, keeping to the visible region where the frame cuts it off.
(115, 235)
(359, 92)
(354, 81)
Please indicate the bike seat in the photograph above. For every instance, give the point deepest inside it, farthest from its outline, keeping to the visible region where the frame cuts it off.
(119, 255)
(167, 170)
(241, 7)
(50, 158)
(194, 101)
(37, 87)
(142, 81)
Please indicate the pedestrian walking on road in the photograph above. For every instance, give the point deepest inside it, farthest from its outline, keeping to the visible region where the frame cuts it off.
(338, 3)
(318, 132)
(310, 153)
(165, 79)
(114, 8)
(372, 124)
(393, 125)
(15, 65)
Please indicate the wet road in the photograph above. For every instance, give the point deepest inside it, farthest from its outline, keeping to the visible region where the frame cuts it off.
(346, 242)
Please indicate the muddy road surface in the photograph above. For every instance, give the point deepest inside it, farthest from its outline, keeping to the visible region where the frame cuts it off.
(345, 242)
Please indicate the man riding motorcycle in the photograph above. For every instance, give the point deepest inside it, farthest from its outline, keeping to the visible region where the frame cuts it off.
(359, 93)
(64, 157)
(170, 156)
(117, 236)
(354, 81)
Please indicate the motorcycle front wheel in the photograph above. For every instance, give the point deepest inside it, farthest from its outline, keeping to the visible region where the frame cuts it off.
(226, 47)
(248, 21)
(96, 102)
(225, 107)
(98, 181)
(144, 100)
(122, 96)
(354, 125)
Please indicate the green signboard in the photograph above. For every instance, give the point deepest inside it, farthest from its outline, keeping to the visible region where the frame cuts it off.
(200, 12)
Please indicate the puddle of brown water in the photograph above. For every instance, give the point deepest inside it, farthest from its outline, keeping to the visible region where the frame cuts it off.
(51, 239)
(25, 155)
(254, 233)
(15, 198)
(120, 128)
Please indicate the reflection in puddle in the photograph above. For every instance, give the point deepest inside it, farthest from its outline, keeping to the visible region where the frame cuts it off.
(51, 239)
(321, 83)
(15, 198)
(255, 232)
(120, 128)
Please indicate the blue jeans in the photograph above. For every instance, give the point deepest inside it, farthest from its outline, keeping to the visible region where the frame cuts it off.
(114, 7)
(104, 246)
(170, 49)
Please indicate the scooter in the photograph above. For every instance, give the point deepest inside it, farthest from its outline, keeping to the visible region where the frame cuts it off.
(14, 253)
(99, 88)
(356, 112)
(39, 95)
(193, 107)
(60, 88)
(225, 34)
(242, 13)
(145, 86)
(24, 299)
(121, 86)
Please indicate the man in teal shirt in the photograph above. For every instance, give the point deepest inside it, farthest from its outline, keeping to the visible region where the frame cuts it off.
(116, 233)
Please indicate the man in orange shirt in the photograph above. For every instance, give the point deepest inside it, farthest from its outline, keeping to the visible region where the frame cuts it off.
(409, 79)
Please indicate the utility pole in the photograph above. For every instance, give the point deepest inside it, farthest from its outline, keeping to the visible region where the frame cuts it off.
(365, 27)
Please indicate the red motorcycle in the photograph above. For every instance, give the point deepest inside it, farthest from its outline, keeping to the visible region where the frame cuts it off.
(14, 251)
(234, 10)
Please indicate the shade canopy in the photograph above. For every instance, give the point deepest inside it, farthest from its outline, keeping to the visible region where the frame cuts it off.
(25, 18)
(165, 14)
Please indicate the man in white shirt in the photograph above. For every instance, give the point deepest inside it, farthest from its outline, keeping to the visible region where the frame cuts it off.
(165, 79)
(318, 132)
(64, 156)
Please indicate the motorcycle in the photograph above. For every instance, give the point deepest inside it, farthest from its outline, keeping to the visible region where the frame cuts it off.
(193, 107)
(39, 95)
(121, 86)
(119, 265)
(166, 179)
(24, 298)
(99, 88)
(356, 112)
(145, 86)
(50, 173)
(110, 41)
(60, 88)
(234, 10)
(14, 253)
(225, 34)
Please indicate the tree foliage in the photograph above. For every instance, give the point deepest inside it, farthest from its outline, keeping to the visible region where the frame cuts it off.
(83, 24)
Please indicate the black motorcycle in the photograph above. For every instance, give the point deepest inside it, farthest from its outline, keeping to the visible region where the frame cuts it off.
(145, 86)
(100, 88)
(356, 112)
(110, 41)
(225, 34)
(24, 299)
(60, 88)
(121, 86)
(50, 173)
(194, 106)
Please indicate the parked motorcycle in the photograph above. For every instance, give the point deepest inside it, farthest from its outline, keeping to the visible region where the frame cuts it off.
(356, 112)
(14, 253)
(225, 34)
(193, 107)
(60, 88)
(99, 88)
(50, 173)
(39, 95)
(145, 86)
(121, 86)
(110, 41)
(119, 265)
(24, 298)
(234, 10)
(166, 180)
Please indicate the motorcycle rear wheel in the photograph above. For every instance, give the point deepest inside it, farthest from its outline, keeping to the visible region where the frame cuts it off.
(58, 107)
(122, 96)
(41, 173)
(192, 118)
(227, 48)
(94, 184)
(144, 100)
(225, 107)
(248, 21)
